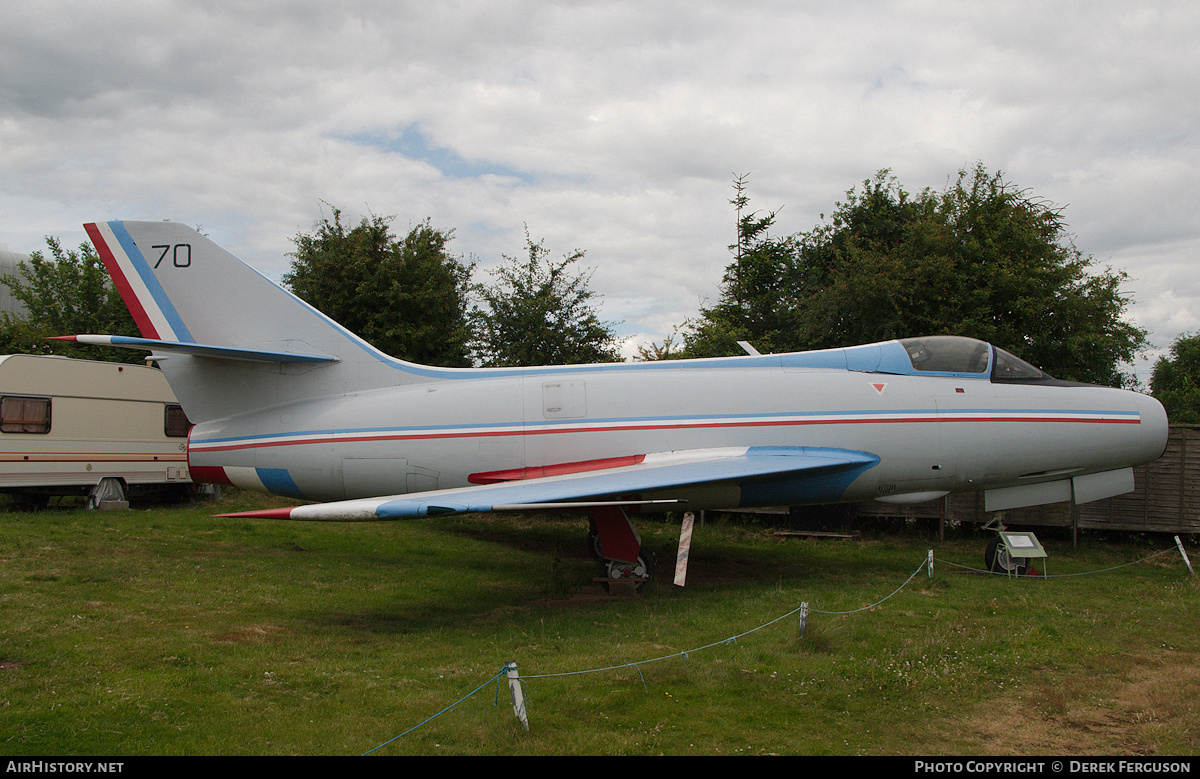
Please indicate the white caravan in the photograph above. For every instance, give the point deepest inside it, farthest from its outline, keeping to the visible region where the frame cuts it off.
(72, 426)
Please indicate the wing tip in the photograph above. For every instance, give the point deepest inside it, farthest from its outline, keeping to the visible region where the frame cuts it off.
(283, 513)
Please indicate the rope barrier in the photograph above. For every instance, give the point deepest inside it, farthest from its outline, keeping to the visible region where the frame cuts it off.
(1057, 575)
(500, 675)
(732, 640)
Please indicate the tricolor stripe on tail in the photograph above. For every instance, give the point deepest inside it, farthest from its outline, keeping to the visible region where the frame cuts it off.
(134, 279)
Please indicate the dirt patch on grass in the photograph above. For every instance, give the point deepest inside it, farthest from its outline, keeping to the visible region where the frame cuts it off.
(590, 594)
(259, 634)
(1154, 701)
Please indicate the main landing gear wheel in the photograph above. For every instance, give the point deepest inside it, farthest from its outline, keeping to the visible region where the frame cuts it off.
(998, 561)
(618, 569)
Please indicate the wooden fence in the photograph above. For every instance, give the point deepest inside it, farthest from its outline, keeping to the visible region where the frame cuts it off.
(1166, 499)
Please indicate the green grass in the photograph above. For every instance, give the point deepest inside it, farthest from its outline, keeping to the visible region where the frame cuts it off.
(171, 632)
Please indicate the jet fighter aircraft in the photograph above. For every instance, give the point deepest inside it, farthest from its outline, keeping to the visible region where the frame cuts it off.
(287, 401)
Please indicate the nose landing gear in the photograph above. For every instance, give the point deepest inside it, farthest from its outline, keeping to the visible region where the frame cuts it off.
(998, 560)
(1010, 551)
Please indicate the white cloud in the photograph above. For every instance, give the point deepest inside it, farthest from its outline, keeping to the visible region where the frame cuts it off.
(612, 127)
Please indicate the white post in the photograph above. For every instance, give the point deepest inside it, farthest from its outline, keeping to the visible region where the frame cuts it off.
(930, 563)
(1179, 546)
(514, 686)
(803, 617)
(685, 546)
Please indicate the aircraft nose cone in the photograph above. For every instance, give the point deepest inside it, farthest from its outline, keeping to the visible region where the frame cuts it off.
(1155, 427)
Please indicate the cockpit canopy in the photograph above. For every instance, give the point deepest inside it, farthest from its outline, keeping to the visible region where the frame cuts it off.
(952, 354)
(948, 354)
(938, 355)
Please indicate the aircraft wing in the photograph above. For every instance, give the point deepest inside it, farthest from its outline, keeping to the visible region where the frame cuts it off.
(661, 474)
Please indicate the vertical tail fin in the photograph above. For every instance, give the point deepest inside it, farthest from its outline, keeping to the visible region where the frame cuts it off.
(230, 333)
(182, 287)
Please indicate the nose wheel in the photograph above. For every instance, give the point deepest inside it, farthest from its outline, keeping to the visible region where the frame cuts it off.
(1000, 561)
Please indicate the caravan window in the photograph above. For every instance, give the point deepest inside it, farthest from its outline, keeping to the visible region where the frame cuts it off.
(24, 415)
(175, 423)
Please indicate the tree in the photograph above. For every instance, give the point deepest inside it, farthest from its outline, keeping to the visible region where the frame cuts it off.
(406, 297)
(655, 351)
(540, 313)
(69, 294)
(1176, 380)
(752, 290)
(982, 259)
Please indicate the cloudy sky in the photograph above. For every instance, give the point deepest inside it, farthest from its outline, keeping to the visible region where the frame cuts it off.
(614, 127)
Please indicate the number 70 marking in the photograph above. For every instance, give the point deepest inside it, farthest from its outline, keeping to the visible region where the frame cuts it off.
(181, 254)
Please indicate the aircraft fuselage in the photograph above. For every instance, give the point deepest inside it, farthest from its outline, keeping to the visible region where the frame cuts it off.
(932, 434)
(286, 400)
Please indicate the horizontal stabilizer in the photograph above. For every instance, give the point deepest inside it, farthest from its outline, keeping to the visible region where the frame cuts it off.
(198, 350)
(661, 474)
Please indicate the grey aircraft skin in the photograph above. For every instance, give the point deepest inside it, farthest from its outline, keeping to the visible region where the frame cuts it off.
(286, 401)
